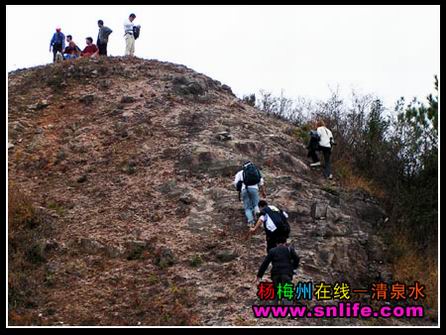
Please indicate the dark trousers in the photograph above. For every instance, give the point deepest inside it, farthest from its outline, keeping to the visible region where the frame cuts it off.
(280, 279)
(102, 48)
(327, 153)
(56, 48)
(271, 242)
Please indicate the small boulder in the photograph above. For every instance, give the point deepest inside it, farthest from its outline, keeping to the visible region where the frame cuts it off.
(82, 179)
(135, 249)
(164, 258)
(89, 246)
(319, 211)
(42, 104)
(87, 99)
(127, 99)
(226, 88)
(224, 256)
(224, 136)
(186, 199)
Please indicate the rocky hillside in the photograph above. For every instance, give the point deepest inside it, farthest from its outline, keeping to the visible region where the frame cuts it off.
(129, 165)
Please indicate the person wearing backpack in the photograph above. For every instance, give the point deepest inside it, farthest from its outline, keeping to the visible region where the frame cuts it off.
(284, 261)
(102, 40)
(247, 182)
(128, 35)
(324, 144)
(57, 43)
(275, 224)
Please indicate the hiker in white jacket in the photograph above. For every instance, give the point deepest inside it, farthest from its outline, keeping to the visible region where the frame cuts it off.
(325, 144)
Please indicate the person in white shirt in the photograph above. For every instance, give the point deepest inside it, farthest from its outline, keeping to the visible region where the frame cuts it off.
(270, 217)
(325, 144)
(250, 194)
(128, 35)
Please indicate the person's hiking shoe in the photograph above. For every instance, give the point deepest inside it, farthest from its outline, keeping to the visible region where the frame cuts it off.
(315, 164)
(250, 224)
(330, 176)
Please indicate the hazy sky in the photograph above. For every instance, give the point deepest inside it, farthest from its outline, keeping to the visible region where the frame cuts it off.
(390, 51)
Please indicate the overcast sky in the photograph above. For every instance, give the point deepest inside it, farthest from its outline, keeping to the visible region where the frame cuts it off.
(390, 51)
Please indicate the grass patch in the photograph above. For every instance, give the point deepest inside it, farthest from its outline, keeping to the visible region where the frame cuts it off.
(351, 181)
(196, 261)
(330, 190)
(56, 207)
(27, 231)
(302, 133)
(153, 279)
(410, 265)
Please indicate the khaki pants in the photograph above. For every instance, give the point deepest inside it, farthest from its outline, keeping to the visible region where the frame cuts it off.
(129, 45)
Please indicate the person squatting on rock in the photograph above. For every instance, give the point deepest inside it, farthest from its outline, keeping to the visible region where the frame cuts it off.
(321, 140)
(275, 224)
(102, 40)
(129, 35)
(284, 261)
(72, 51)
(247, 182)
(57, 43)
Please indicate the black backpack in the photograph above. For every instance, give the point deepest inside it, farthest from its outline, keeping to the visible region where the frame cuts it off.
(315, 135)
(136, 30)
(279, 219)
(313, 144)
(251, 175)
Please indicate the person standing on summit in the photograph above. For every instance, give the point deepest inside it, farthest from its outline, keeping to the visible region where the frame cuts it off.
(128, 35)
(103, 38)
(57, 43)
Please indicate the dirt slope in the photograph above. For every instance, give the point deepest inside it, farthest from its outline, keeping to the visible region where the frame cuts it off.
(132, 162)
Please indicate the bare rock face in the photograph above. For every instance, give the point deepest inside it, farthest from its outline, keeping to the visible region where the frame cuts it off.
(143, 182)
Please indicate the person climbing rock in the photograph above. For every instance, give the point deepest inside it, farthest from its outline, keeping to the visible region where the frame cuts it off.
(57, 43)
(247, 182)
(128, 35)
(102, 40)
(324, 144)
(284, 261)
(275, 224)
(91, 50)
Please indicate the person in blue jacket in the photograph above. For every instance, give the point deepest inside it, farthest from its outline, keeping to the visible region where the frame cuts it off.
(57, 43)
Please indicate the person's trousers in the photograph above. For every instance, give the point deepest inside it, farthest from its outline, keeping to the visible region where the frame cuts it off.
(102, 48)
(271, 242)
(327, 153)
(272, 239)
(280, 279)
(327, 164)
(68, 56)
(56, 48)
(250, 197)
(129, 45)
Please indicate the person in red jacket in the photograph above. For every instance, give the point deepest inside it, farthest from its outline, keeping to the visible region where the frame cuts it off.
(91, 50)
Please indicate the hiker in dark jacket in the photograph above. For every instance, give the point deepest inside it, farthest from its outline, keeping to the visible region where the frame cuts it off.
(274, 222)
(284, 261)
